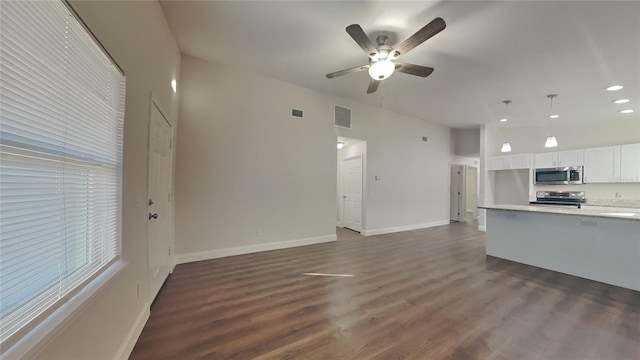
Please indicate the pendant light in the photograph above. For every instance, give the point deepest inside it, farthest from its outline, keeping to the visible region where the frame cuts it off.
(506, 147)
(551, 114)
(551, 142)
(506, 110)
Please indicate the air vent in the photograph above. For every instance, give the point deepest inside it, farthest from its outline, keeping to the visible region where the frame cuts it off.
(342, 117)
(297, 113)
(424, 138)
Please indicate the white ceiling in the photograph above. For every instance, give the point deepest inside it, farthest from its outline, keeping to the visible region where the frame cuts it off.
(489, 52)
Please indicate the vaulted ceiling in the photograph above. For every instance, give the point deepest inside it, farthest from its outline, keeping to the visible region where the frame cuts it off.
(489, 52)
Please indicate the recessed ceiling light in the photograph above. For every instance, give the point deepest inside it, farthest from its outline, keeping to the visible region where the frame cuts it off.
(621, 101)
(340, 145)
(174, 85)
(626, 111)
(554, 116)
(503, 120)
(614, 87)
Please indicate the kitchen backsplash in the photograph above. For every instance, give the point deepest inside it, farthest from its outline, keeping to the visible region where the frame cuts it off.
(596, 192)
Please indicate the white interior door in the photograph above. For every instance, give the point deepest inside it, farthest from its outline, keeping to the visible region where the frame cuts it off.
(457, 207)
(159, 241)
(352, 172)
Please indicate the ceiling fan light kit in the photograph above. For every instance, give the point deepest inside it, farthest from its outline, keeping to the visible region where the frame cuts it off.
(382, 58)
(382, 69)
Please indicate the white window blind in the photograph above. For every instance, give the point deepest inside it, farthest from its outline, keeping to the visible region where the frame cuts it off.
(61, 125)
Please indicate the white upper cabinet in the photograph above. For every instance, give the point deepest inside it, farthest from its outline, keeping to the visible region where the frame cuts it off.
(497, 163)
(630, 163)
(602, 165)
(559, 159)
(571, 158)
(546, 160)
(519, 161)
(510, 162)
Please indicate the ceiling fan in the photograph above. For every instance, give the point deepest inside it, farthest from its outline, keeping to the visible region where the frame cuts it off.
(382, 58)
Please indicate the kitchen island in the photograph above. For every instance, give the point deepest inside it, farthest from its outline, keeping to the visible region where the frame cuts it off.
(599, 245)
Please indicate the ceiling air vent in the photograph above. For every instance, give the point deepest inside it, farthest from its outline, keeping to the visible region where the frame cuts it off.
(341, 117)
(297, 113)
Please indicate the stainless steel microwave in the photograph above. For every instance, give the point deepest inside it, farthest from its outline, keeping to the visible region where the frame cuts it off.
(558, 176)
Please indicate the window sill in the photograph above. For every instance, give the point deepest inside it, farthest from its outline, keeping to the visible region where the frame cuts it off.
(35, 341)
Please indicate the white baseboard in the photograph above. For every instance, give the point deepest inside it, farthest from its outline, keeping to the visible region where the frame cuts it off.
(482, 228)
(134, 333)
(404, 228)
(239, 250)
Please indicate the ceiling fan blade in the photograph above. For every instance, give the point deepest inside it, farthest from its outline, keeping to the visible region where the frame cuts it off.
(348, 71)
(435, 26)
(412, 69)
(357, 34)
(373, 86)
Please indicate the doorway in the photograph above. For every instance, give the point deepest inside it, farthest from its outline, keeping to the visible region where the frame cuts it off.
(159, 200)
(471, 193)
(352, 192)
(456, 193)
(351, 183)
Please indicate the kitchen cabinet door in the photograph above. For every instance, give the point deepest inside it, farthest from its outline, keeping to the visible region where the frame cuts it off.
(630, 163)
(602, 165)
(497, 163)
(520, 161)
(546, 160)
(570, 158)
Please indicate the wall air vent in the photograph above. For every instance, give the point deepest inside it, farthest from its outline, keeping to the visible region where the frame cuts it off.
(341, 117)
(297, 113)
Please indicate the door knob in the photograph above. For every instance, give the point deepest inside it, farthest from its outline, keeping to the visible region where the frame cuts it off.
(153, 216)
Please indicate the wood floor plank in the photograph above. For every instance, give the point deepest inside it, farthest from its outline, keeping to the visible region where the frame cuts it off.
(420, 294)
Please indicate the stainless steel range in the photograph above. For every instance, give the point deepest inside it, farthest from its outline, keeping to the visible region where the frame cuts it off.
(559, 198)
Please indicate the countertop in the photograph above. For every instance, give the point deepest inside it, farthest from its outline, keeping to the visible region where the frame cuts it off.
(630, 215)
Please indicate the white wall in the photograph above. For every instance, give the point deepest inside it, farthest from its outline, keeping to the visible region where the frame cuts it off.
(414, 175)
(244, 166)
(466, 142)
(511, 187)
(138, 37)
(247, 173)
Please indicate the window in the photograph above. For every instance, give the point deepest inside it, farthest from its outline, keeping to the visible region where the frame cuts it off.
(61, 125)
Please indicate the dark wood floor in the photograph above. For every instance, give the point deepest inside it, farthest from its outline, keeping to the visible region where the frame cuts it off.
(424, 294)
